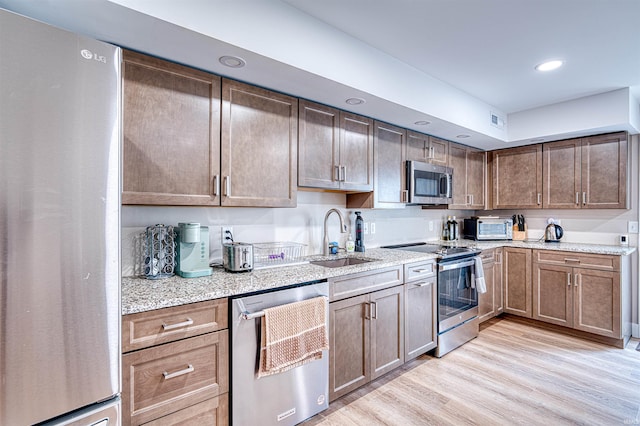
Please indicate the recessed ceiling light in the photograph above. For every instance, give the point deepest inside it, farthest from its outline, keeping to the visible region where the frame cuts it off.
(422, 123)
(463, 136)
(232, 61)
(355, 101)
(549, 65)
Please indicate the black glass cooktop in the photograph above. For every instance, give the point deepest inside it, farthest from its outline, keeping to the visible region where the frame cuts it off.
(443, 252)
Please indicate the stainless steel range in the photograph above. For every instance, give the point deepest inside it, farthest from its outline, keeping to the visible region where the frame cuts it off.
(457, 295)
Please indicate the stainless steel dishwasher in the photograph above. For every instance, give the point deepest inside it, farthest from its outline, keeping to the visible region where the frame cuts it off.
(282, 399)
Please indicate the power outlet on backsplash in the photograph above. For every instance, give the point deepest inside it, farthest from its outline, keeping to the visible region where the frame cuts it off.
(226, 234)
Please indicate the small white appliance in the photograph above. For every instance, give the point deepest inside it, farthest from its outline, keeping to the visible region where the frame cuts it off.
(192, 250)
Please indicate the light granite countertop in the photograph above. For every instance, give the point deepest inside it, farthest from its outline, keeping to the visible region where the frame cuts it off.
(140, 294)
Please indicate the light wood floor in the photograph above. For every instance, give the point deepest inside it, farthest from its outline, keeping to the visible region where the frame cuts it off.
(512, 373)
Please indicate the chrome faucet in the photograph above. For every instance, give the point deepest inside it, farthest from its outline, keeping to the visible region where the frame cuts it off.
(343, 229)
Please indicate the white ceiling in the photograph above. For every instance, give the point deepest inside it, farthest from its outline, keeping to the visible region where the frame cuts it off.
(488, 48)
(450, 62)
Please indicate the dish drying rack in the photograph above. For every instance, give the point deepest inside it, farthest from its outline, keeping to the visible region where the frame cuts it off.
(269, 255)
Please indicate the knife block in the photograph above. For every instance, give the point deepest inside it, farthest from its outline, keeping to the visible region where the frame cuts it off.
(519, 235)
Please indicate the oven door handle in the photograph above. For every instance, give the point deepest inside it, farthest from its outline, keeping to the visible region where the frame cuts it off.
(456, 265)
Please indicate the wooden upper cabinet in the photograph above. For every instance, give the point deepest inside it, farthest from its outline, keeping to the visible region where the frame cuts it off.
(258, 146)
(389, 182)
(469, 177)
(517, 177)
(562, 177)
(319, 146)
(421, 147)
(171, 126)
(356, 152)
(586, 173)
(336, 149)
(604, 171)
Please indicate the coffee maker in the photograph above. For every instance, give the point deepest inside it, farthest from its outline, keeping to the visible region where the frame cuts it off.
(192, 250)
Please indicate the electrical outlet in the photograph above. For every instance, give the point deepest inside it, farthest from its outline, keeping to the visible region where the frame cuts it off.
(373, 228)
(632, 227)
(366, 228)
(226, 234)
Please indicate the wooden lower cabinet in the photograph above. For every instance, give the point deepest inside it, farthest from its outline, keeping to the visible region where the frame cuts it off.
(214, 411)
(586, 299)
(366, 339)
(176, 367)
(420, 295)
(490, 304)
(517, 281)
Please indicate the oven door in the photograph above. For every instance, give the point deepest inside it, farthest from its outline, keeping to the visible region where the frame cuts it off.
(457, 295)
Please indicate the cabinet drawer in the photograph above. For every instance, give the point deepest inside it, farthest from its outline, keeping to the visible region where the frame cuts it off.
(595, 261)
(164, 379)
(212, 412)
(488, 256)
(146, 329)
(365, 282)
(418, 270)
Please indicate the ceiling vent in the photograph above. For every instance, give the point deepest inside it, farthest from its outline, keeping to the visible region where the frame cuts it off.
(498, 121)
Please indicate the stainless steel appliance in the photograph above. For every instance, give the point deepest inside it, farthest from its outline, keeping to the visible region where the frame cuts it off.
(282, 399)
(59, 226)
(457, 296)
(553, 233)
(487, 228)
(429, 183)
(237, 257)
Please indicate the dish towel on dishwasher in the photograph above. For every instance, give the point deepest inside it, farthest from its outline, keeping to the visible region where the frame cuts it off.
(481, 285)
(292, 335)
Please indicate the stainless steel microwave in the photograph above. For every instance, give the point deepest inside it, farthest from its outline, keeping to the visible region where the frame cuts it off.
(429, 183)
(488, 228)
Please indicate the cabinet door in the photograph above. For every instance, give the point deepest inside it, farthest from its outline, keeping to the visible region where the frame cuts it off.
(349, 342)
(387, 330)
(604, 172)
(597, 302)
(356, 152)
(517, 178)
(562, 176)
(420, 317)
(439, 151)
(458, 162)
(517, 281)
(487, 300)
(417, 146)
(171, 133)
(476, 179)
(318, 146)
(553, 294)
(259, 147)
(390, 182)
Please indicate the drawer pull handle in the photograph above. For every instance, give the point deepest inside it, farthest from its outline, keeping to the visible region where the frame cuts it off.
(185, 323)
(419, 271)
(178, 373)
(422, 284)
(567, 259)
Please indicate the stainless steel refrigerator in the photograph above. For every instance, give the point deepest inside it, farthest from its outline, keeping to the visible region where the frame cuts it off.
(59, 226)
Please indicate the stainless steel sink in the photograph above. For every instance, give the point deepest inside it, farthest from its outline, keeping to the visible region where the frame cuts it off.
(337, 263)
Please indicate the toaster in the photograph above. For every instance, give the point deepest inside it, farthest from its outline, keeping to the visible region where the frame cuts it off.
(237, 257)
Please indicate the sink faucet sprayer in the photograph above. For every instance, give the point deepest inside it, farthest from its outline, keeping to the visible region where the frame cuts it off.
(343, 229)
